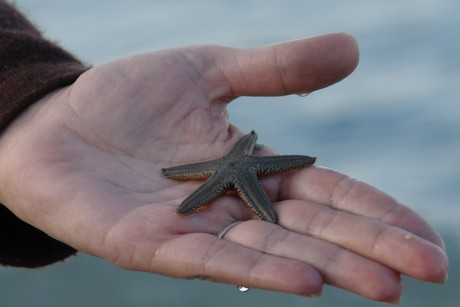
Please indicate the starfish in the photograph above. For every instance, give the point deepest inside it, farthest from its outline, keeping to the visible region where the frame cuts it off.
(238, 170)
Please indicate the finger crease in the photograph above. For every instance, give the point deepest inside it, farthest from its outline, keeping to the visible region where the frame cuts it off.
(338, 194)
(272, 240)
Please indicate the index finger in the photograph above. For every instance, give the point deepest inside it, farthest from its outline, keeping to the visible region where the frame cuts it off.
(344, 193)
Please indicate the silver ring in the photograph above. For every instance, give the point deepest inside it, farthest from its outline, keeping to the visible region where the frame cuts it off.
(227, 227)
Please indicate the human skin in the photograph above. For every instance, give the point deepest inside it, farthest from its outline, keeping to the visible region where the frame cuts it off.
(83, 164)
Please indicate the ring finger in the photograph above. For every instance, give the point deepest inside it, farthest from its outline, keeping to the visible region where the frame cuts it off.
(339, 267)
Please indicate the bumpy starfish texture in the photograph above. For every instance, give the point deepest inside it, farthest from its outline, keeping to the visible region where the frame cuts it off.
(238, 170)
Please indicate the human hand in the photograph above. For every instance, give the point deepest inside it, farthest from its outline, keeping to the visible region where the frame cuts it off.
(83, 164)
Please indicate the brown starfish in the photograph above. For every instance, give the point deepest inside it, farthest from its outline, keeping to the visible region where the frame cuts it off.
(238, 170)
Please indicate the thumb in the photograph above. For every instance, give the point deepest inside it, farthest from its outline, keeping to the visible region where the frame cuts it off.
(300, 66)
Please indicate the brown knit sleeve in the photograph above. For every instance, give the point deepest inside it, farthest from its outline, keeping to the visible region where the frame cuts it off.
(30, 68)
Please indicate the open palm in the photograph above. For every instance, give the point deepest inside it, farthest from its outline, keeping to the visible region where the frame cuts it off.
(87, 161)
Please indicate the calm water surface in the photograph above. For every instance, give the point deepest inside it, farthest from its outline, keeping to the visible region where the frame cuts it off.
(394, 123)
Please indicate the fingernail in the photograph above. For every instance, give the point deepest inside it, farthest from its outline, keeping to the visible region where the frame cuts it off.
(311, 295)
(445, 278)
(395, 302)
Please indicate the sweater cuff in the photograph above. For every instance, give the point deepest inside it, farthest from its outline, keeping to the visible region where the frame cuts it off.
(23, 245)
(28, 85)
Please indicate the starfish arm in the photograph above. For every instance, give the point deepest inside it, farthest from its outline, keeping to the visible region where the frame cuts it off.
(251, 191)
(266, 165)
(199, 170)
(210, 190)
(244, 146)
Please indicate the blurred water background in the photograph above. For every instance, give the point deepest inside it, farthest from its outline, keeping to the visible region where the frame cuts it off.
(394, 123)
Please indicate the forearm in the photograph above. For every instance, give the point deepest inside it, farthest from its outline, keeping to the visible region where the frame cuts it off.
(30, 68)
